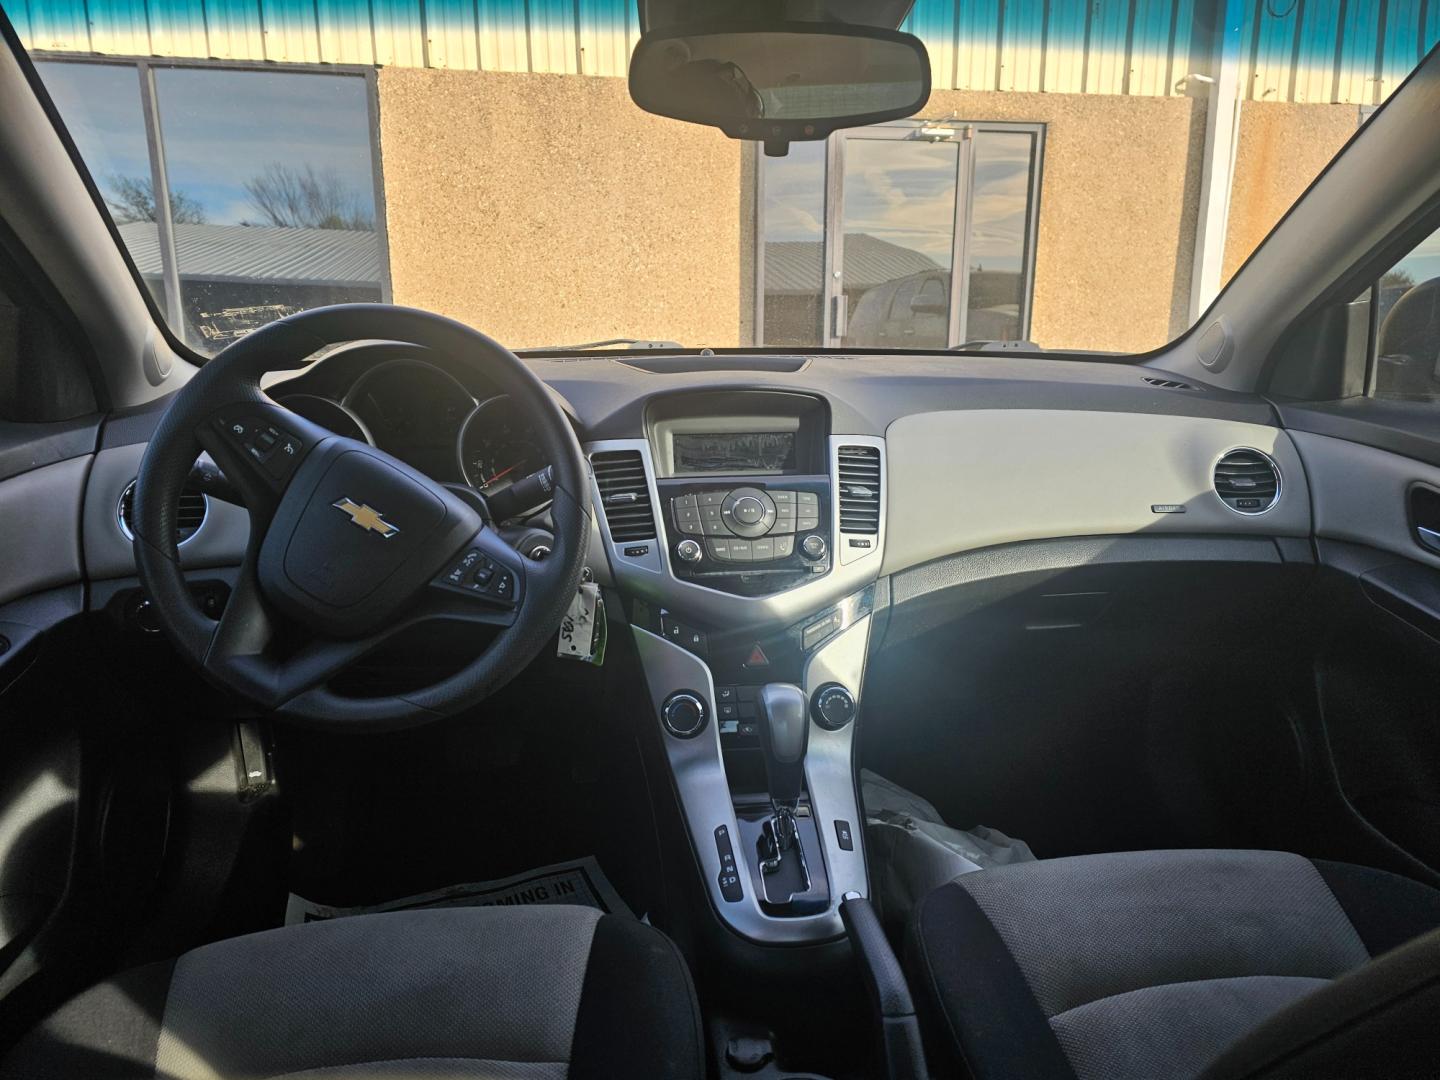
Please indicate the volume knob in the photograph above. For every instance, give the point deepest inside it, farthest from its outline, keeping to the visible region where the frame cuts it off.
(688, 551)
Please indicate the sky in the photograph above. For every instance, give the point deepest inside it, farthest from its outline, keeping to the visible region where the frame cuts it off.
(220, 128)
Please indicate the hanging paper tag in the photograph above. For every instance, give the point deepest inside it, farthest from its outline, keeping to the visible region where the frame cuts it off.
(582, 631)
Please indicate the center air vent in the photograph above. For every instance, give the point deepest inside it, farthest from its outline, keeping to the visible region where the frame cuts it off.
(624, 495)
(859, 489)
(193, 508)
(1247, 481)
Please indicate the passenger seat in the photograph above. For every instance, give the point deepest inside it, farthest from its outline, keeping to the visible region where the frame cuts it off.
(1218, 965)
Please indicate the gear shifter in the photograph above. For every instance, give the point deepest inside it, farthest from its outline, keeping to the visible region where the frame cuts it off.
(784, 720)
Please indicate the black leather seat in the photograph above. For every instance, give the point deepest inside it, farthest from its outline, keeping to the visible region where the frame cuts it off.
(1214, 964)
(447, 994)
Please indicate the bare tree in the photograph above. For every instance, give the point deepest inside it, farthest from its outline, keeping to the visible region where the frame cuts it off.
(132, 198)
(304, 197)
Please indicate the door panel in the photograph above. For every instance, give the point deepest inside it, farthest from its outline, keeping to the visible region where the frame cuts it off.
(40, 528)
(1377, 623)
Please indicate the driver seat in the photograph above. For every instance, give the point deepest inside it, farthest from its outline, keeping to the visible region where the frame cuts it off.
(499, 993)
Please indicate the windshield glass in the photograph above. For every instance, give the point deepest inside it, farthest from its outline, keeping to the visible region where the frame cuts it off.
(1086, 175)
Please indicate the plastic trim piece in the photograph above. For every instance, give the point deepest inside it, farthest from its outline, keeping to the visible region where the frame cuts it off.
(698, 768)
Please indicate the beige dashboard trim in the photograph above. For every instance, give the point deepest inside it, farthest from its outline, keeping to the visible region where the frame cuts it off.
(969, 479)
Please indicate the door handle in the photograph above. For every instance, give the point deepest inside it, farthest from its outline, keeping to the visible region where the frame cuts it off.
(1425, 517)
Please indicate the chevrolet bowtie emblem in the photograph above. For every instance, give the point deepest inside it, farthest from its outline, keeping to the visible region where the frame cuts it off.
(367, 517)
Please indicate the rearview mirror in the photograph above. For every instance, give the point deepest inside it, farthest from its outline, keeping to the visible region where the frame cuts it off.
(783, 82)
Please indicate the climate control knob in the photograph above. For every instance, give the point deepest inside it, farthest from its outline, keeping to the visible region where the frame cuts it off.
(684, 714)
(688, 551)
(833, 706)
(813, 547)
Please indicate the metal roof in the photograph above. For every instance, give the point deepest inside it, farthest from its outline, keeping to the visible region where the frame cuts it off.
(796, 266)
(1351, 51)
(336, 257)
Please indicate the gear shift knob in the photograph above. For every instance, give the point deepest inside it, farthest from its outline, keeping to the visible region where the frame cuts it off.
(784, 717)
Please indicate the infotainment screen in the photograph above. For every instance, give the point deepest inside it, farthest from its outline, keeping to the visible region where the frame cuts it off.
(735, 452)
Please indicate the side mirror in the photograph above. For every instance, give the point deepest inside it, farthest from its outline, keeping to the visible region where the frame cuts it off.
(782, 82)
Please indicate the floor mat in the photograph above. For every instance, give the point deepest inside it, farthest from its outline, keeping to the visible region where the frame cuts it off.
(576, 881)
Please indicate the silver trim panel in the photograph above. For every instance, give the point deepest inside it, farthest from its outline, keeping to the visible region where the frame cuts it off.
(698, 767)
(652, 578)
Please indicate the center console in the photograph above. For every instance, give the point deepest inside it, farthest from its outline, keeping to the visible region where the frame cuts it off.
(745, 538)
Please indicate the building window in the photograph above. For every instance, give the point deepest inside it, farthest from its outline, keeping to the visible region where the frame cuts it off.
(860, 237)
(271, 178)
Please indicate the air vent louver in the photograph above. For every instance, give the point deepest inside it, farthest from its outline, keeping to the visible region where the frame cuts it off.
(191, 516)
(859, 489)
(1247, 481)
(625, 495)
(1168, 384)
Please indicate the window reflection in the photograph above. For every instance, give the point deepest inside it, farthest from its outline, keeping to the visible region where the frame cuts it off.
(101, 107)
(999, 224)
(271, 178)
(795, 245)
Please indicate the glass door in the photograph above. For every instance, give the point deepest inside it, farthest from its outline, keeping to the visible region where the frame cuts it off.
(897, 221)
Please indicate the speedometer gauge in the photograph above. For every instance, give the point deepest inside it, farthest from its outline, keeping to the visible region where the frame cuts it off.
(497, 447)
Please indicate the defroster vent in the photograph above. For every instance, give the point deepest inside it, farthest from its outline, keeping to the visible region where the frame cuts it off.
(1247, 481)
(624, 495)
(859, 489)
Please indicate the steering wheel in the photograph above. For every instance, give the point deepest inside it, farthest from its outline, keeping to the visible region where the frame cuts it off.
(348, 545)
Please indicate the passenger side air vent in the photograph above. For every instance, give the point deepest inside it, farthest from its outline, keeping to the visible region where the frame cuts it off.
(193, 508)
(859, 489)
(624, 495)
(1247, 481)
(1168, 384)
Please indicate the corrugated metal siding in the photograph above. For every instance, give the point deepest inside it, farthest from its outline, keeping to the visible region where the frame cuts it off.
(1350, 51)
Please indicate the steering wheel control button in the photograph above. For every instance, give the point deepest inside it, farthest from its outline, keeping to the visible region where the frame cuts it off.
(684, 714)
(833, 706)
(813, 546)
(729, 879)
(688, 551)
(269, 446)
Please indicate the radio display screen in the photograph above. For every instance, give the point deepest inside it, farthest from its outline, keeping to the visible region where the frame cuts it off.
(735, 452)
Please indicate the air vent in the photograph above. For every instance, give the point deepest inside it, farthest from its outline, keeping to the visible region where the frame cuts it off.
(625, 495)
(193, 508)
(1247, 481)
(1168, 384)
(859, 489)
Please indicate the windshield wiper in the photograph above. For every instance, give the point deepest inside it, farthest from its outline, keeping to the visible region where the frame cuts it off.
(588, 346)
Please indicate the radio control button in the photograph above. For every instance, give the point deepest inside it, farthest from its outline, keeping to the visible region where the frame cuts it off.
(719, 549)
(748, 510)
(807, 500)
(805, 524)
(684, 502)
(813, 547)
(784, 547)
(783, 499)
(762, 550)
(711, 498)
(741, 551)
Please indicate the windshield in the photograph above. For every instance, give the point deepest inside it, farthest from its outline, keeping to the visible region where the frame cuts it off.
(1085, 176)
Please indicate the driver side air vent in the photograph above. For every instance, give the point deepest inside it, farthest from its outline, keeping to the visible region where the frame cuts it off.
(1247, 481)
(193, 508)
(859, 489)
(625, 495)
